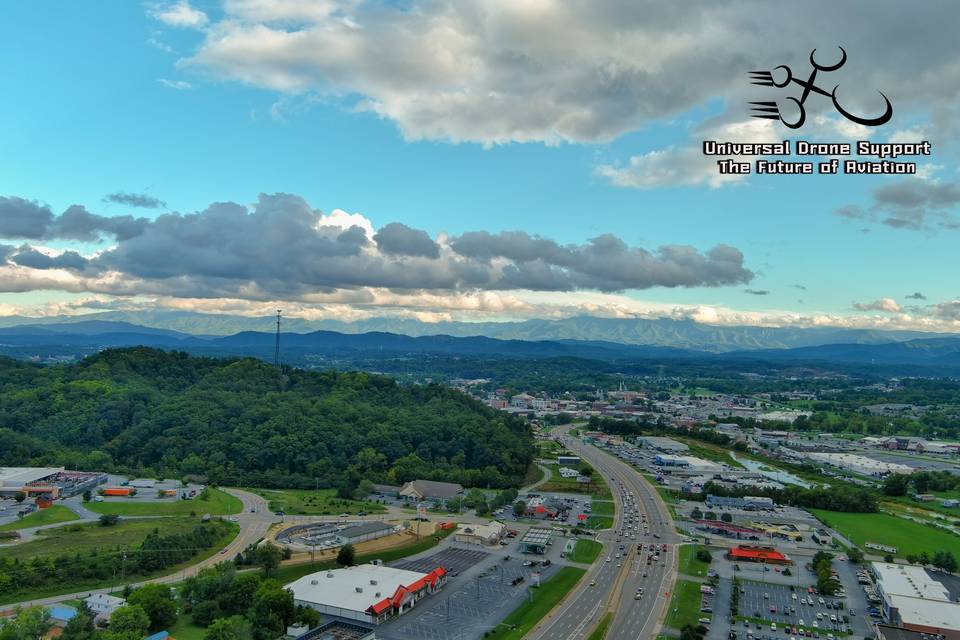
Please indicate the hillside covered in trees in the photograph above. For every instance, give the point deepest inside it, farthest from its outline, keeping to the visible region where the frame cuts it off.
(146, 411)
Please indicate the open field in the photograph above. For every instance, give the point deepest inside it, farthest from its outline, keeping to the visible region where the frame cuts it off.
(907, 536)
(84, 538)
(602, 508)
(52, 515)
(688, 562)
(599, 522)
(712, 452)
(317, 503)
(585, 551)
(684, 605)
(218, 503)
(530, 612)
(185, 629)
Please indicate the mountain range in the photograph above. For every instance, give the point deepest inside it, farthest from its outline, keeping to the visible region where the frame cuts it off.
(657, 332)
(631, 340)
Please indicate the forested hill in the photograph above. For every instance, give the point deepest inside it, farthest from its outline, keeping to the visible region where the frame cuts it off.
(147, 411)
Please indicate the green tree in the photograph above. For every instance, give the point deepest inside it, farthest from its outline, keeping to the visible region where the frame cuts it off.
(157, 601)
(855, 555)
(109, 519)
(239, 595)
(268, 557)
(205, 612)
(696, 514)
(346, 557)
(20, 496)
(28, 624)
(519, 508)
(87, 495)
(80, 626)
(726, 517)
(130, 619)
(945, 560)
(272, 611)
(232, 628)
(703, 555)
(896, 484)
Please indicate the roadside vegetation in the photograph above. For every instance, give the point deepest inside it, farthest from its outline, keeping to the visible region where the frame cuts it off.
(522, 619)
(323, 502)
(585, 551)
(909, 537)
(51, 515)
(210, 500)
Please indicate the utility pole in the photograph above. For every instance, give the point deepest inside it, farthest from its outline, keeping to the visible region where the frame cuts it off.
(276, 348)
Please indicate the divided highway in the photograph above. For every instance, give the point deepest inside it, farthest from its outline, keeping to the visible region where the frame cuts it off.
(608, 586)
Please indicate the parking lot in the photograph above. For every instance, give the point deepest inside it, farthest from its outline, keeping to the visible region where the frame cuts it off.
(789, 605)
(454, 560)
(468, 606)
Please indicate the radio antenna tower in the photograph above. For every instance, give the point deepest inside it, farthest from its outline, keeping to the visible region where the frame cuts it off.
(276, 347)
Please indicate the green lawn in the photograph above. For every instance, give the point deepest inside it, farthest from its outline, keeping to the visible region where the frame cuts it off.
(185, 629)
(685, 605)
(601, 631)
(688, 562)
(52, 515)
(218, 503)
(522, 619)
(599, 522)
(317, 503)
(602, 508)
(909, 537)
(86, 538)
(292, 572)
(585, 551)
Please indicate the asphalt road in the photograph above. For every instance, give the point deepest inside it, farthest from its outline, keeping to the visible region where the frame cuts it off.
(254, 521)
(608, 586)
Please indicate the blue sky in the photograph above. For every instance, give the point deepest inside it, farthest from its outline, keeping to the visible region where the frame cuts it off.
(92, 109)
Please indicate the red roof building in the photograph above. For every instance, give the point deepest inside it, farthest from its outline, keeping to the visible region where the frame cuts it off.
(767, 555)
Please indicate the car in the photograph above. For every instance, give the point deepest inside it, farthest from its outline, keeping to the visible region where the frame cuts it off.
(773, 626)
(766, 596)
(800, 622)
(593, 583)
(234, 519)
(608, 558)
(705, 621)
(821, 601)
(793, 595)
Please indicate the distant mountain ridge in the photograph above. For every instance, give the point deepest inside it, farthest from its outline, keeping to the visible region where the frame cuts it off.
(662, 332)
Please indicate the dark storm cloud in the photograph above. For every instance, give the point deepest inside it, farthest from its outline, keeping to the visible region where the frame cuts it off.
(281, 247)
(397, 238)
(140, 200)
(20, 218)
(27, 256)
(910, 204)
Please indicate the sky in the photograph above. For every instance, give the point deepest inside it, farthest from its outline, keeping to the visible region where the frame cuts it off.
(470, 160)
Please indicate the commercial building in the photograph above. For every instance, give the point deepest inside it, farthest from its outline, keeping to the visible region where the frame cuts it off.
(370, 593)
(15, 480)
(325, 535)
(918, 600)
(860, 464)
(666, 445)
(685, 462)
(535, 540)
(333, 630)
(750, 503)
(568, 460)
(765, 555)
(486, 534)
(430, 490)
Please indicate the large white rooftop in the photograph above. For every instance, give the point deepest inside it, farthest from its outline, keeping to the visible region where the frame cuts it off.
(339, 587)
(927, 613)
(19, 476)
(909, 580)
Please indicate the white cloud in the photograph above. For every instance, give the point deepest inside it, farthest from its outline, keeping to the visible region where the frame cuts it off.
(887, 305)
(179, 85)
(179, 14)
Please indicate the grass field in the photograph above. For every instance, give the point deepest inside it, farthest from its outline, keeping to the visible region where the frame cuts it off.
(522, 619)
(907, 536)
(712, 452)
(688, 562)
(218, 503)
(535, 474)
(52, 515)
(85, 538)
(185, 629)
(585, 551)
(318, 503)
(601, 631)
(292, 572)
(684, 605)
(602, 508)
(599, 522)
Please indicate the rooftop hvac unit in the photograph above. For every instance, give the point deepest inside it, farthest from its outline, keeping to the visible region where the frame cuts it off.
(358, 589)
(378, 594)
(378, 562)
(373, 582)
(314, 582)
(329, 574)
